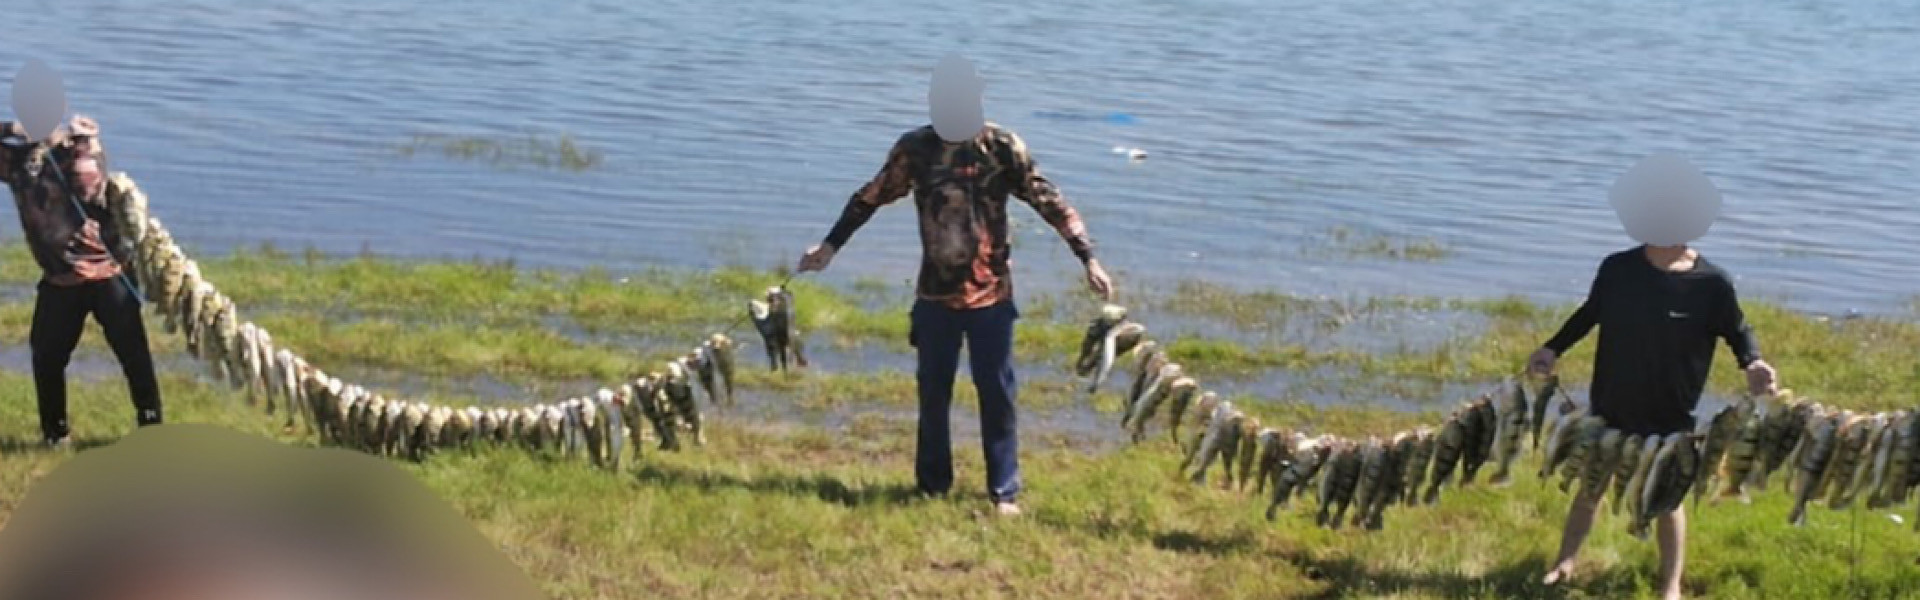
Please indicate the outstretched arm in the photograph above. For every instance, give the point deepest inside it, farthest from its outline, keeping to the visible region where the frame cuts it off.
(1583, 319)
(1731, 325)
(1033, 188)
(894, 181)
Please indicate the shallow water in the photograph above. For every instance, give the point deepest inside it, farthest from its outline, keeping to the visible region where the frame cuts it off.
(735, 135)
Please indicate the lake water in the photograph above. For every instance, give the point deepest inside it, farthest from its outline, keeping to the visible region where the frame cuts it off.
(734, 132)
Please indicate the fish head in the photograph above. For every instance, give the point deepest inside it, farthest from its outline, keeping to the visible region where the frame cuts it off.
(1128, 337)
(1183, 386)
(1208, 400)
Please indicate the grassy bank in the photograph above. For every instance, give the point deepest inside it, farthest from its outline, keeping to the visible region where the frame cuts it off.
(771, 511)
(775, 509)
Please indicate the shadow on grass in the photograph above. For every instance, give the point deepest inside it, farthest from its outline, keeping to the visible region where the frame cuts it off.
(1187, 542)
(1348, 577)
(34, 445)
(825, 488)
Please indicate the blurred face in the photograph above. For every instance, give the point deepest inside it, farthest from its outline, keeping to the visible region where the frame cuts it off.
(1664, 201)
(955, 100)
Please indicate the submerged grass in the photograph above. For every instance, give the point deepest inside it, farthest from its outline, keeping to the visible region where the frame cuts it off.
(561, 152)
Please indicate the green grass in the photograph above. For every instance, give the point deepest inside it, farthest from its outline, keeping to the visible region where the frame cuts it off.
(781, 511)
(784, 510)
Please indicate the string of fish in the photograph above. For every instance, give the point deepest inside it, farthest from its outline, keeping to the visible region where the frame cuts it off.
(659, 407)
(1831, 455)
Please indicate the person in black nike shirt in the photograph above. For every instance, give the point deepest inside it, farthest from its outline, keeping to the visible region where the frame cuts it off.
(1660, 310)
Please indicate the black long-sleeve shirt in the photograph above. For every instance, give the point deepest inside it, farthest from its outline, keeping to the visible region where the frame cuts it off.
(1657, 334)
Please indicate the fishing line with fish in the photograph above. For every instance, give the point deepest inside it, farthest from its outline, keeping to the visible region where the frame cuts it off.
(603, 426)
(1831, 455)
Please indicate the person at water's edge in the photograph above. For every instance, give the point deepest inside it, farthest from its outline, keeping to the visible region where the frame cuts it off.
(80, 258)
(965, 288)
(1660, 310)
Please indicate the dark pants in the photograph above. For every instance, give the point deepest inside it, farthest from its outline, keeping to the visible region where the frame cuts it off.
(59, 316)
(938, 331)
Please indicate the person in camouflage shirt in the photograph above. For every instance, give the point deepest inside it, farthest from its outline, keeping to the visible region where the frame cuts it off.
(80, 257)
(965, 289)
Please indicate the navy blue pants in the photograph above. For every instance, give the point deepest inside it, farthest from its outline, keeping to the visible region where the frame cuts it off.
(938, 331)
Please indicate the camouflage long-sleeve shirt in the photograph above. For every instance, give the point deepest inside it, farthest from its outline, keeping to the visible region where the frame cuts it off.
(70, 247)
(961, 191)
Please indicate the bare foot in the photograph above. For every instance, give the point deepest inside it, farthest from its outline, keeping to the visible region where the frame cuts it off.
(1007, 509)
(1672, 594)
(1559, 574)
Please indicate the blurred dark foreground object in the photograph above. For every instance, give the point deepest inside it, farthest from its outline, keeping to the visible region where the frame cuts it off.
(183, 511)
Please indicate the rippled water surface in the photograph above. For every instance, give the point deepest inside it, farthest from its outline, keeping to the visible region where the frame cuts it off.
(733, 132)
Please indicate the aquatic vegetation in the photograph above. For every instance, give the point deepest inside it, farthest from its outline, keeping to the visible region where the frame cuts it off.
(1343, 241)
(547, 152)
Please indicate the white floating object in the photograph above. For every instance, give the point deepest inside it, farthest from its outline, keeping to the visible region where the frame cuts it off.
(1896, 518)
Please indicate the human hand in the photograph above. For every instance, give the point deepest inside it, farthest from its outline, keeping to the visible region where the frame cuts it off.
(817, 258)
(1761, 379)
(1098, 281)
(1541, 363)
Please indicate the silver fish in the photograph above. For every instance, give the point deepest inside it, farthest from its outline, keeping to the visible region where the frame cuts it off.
(1449, 447)
(1338, 483)
(1151, 359)
(1302, 464)
(1884, 461)
(1782, 436)
(1272, 452)
(1155, 392)
(1387, 488)
(1744, 451)
(1624, 467)
(1097, 340)
(1636, 484)
(1419, 461)
(1815, 455)
(1855, 434)
(1900, 462)
(613, 426)
(1123, 338)
(1566, 442)
(1482, 429)
(1602, 462)
(1218, 422)
(1721, 432)
(1548, 387)
(779, 330)
(721, 348)
(1510, 426)
(1848, 483)
(679, 395)
(1668, 481)
(1181, 389)
(1248, 453)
